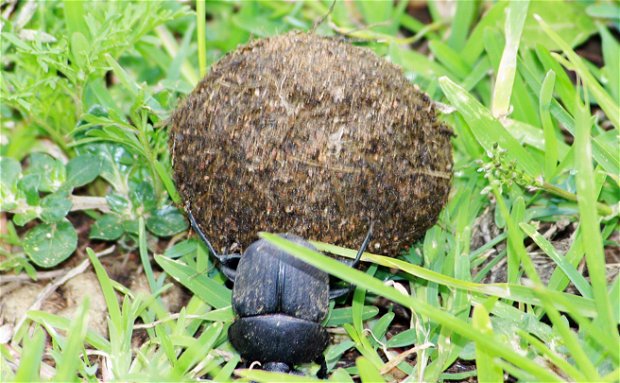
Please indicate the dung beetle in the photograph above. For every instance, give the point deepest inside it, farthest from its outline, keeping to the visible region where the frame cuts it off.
(280, 302)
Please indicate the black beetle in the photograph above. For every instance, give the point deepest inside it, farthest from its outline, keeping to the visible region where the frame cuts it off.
(280, 302)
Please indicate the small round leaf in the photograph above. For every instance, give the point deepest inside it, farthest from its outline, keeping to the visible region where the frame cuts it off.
(49, 244)
(54, 207)
(166, 221)
(82, 170)
(108, 227)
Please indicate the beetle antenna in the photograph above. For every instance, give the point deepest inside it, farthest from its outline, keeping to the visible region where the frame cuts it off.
(362, 249)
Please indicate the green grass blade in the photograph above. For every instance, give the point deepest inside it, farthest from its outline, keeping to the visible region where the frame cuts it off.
(437, 315)
(578, 280)
(449, 58)
(611, 55)
(31, 354)
(204, 287)
(144, 255)
(122, 75)
(199, 350)
(164, 175)
(589, 220)
(227, 371)
(368, 372)
(343, 315)
(515, 19)
(570, 370)
(363, 345)
(518, 293)
(201, 15)
(560, 325)
(70, 357)
(551, 141)
(114, 309)
(606, 103)
(340, 375)
(466, 11)
(487, 130)
(47, 319)
(74, 17)
(488, 371)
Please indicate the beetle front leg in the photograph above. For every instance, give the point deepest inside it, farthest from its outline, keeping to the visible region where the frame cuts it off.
(322, 373)
(339, 292)
(228, 262)
(364, 246)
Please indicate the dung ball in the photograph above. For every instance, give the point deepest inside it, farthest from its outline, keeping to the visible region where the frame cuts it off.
(313, 136)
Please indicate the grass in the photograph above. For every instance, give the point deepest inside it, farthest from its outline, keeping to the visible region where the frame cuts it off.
(85, 92)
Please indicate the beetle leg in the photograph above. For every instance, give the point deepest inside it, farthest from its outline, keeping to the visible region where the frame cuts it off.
(362, 249)
(228, 262)
(337, 293)
(322, 373)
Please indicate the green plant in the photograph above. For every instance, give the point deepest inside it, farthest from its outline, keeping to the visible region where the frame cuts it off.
(86, 89)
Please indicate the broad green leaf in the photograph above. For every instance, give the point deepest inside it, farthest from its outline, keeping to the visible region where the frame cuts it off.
(166, 221)
(29, 185)
(20, 219)
(577, 30)
(143, 197)
(117, 203)
(51, 171)
(9, 171)
(49, 244)
(107, 227)
(82, 170)
(54, 207)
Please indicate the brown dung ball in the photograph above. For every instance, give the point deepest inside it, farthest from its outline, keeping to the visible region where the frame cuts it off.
(310, 135)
